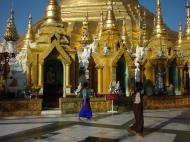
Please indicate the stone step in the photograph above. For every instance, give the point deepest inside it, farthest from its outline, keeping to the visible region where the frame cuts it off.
(51, 112)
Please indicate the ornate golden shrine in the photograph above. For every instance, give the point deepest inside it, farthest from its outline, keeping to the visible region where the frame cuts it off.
(115, 25)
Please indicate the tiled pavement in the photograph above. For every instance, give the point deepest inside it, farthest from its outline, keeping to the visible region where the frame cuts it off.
(171, 125)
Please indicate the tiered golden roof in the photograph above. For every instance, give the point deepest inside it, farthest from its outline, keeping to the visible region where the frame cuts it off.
(100, 25)
(184, 39)
(110, 35)
(158, 28)
(10, 31)
(52, 13)
(72, 13)
(160, 41)
(110, 21)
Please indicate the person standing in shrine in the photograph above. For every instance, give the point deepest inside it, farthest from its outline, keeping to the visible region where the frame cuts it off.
(137, 98)
(85, 111)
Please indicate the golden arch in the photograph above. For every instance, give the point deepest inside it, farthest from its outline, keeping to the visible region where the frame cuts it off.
(63, 57)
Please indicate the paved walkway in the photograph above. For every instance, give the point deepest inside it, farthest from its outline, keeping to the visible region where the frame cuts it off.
(171, 125)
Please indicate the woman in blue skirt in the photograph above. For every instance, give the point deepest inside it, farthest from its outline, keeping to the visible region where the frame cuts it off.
(85, 111)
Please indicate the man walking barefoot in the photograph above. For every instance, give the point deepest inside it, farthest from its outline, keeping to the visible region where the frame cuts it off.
(137, 98)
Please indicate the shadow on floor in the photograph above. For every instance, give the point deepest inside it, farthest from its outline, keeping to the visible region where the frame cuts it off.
(97, 139)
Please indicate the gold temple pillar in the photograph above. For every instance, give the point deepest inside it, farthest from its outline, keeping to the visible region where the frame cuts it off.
(68, 85)
(181, 76)
(167, 75)
(40, 76)
(37, 70)
(33, 76)
(28, 74)
(100, 80)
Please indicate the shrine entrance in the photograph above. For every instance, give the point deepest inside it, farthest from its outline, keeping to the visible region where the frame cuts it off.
(53, 83)
(122, 75)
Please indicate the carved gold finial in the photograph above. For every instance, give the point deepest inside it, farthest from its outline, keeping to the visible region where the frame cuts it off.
(29, 33)
(180, 33)
(139, 10)
(154, 24)
(100, 25)
(52, 13)
(85, 37)
(124, 31)
(139, 23)
(110, 21)
(187, 4)
(158, 2)
(187, 31)
(158, 28)
(86, 17)
(144, 15)
(144, 31)
(11, 32)
(101, 16)
(130, 9)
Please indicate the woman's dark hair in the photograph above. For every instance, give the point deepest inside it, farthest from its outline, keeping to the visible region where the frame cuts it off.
(85, 84)
(139, 86)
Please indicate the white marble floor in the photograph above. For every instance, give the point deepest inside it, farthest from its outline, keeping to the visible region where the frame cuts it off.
(171, 125)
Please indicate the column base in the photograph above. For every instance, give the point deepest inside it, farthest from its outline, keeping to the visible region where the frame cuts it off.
(68, 89)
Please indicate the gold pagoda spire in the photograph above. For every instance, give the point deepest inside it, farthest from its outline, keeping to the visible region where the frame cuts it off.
(187, 31)
(110, 21)
(158, 28)
(53, 13)
(124, 31)
(144, 31)
(85, 38)
(180, 33)
(11, 32)
(29, 33)
(100, 25)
